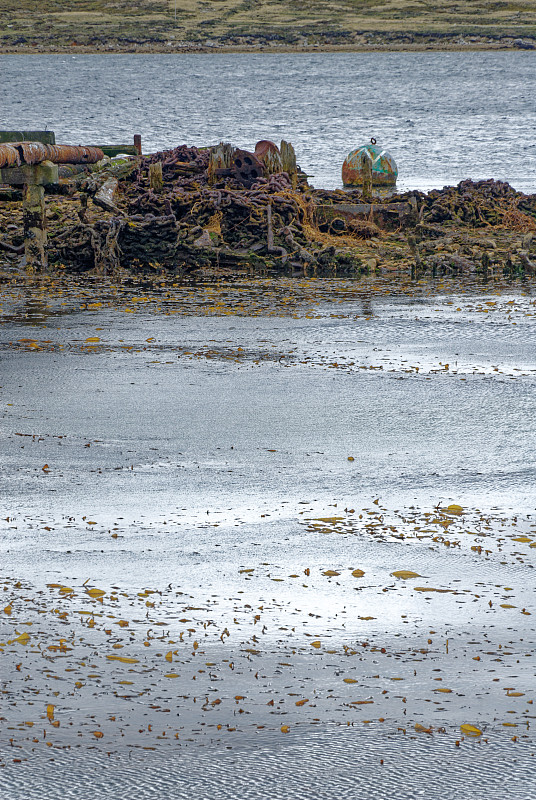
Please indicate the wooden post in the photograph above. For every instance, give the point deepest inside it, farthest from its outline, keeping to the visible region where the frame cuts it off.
(137, 143)
(221, 157)
(412, 242)
(35, 227)
(288, 161)
(367, 175)
(272, 163)
(156, 180)
(485, 266)
(33, 178)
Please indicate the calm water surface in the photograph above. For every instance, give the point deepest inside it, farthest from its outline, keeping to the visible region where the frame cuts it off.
(444, 116)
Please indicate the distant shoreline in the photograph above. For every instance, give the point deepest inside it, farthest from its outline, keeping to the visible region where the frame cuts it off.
(118, 49)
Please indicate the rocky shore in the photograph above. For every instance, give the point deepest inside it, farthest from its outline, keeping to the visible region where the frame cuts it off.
(359, 42)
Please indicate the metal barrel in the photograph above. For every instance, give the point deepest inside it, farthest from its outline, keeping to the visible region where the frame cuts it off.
(265, 146)
(384, 169)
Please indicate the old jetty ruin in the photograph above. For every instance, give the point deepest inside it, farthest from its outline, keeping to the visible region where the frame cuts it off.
(193, 210)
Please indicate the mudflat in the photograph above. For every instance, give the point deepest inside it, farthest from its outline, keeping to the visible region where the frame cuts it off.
(258, 528)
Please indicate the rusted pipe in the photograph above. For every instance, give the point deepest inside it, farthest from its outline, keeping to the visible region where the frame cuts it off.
(31, 152)
(73, 154)
(9, 156)
(17, 153)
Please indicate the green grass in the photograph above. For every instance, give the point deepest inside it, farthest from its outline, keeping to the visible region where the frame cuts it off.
(90, 22)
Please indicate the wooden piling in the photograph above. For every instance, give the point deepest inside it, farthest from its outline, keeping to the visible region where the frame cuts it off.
(156, 180)
(33, 178)
(485, 266)
(221, 157)
(35, 230)
(367, 175)
(288, 162)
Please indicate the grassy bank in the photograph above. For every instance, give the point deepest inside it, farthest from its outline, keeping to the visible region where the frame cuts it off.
(168, 25)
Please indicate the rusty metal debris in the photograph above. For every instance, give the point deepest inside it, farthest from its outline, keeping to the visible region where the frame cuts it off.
(265, 146)
(9, 156)
(31, 152)
(72, 154)
(246, 167)
(223, 208)
(17, 153)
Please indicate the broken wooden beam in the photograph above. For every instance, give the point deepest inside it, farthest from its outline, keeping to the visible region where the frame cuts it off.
(38, 174)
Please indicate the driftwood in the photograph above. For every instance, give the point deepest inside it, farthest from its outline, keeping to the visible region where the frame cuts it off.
(452, 263)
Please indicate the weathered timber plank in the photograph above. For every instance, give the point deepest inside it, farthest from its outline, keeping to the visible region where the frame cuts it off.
(112, 150)
(45, 137)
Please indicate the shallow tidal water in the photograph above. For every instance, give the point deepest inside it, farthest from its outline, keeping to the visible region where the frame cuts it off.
(445, 117)
(269, 539)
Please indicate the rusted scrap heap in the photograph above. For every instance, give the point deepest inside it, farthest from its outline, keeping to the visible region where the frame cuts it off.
(189, 209)
(480, 204)
(222, 207)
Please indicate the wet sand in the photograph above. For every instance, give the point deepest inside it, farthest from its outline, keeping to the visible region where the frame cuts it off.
(253, 531)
